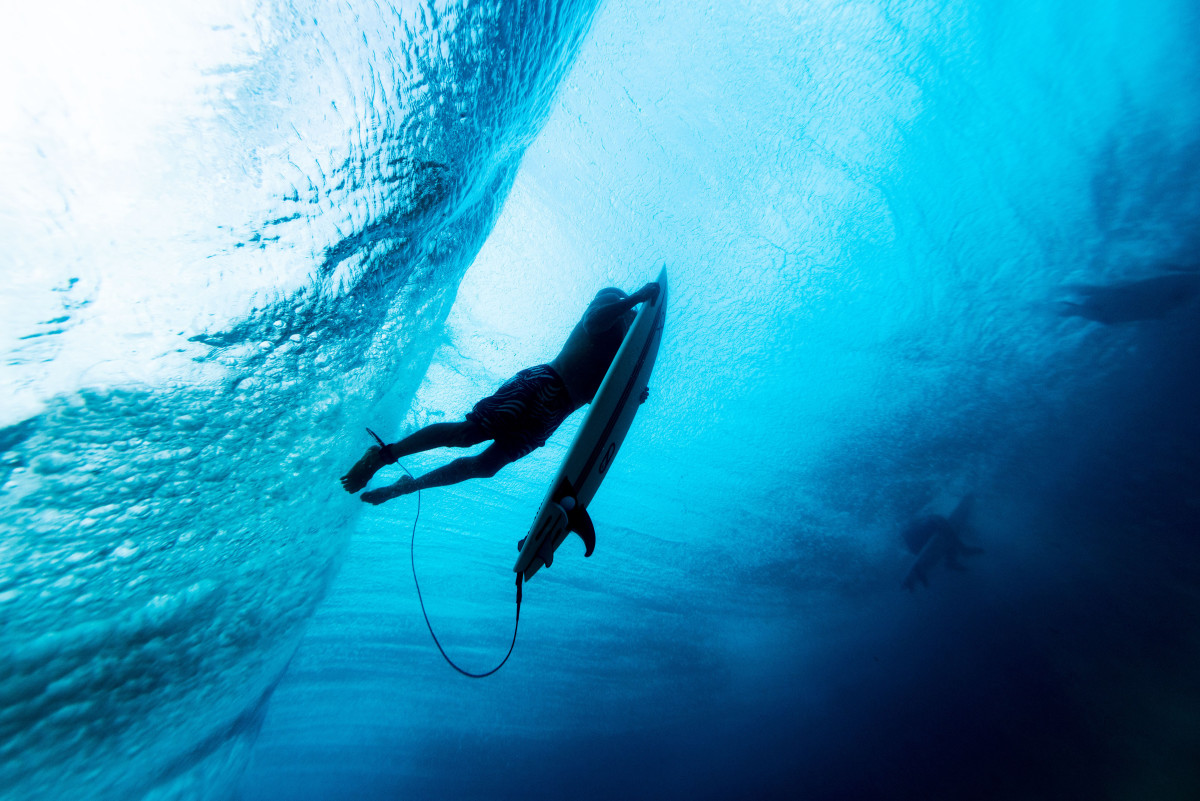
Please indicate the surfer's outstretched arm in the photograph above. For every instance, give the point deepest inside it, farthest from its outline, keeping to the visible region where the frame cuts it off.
(482, 465)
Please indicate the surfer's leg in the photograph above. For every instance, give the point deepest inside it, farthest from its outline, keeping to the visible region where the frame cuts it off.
(436, 435)
(440, 435)
(482, 465)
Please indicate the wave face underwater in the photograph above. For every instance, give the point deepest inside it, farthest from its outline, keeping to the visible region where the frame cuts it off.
(917, 251)
(230, 232)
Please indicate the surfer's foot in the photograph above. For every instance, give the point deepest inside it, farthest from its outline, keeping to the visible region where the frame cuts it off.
(363, 469)
(402, 487)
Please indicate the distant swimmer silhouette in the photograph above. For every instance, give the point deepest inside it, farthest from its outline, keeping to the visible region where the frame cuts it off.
(522, 414)
(1129, 301)
(936, 539)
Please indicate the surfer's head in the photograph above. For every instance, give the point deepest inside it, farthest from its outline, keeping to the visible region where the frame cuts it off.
(610, 294)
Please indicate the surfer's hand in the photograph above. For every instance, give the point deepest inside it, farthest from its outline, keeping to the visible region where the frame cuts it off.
(645, 394)
(648, 292)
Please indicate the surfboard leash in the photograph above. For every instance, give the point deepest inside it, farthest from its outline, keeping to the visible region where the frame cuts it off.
(413, 560)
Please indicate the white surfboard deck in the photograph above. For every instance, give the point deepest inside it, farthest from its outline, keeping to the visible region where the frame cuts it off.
(596, 444)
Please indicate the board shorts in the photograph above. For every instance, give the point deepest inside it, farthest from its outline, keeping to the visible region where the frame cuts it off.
(525, 411)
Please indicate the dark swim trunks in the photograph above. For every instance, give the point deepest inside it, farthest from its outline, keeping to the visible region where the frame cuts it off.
(525, 411)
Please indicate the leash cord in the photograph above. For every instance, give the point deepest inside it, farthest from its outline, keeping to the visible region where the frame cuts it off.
(412, 558)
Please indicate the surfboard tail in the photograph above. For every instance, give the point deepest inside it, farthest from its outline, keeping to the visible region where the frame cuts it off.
(915, 574)
(562, 518)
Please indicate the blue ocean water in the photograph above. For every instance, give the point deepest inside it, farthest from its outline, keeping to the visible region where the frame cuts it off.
(918, 251)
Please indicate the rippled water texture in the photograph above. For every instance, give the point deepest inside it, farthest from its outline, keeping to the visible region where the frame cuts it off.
(917, 248)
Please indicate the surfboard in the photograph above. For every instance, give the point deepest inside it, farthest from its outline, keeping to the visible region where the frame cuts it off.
(595, 446)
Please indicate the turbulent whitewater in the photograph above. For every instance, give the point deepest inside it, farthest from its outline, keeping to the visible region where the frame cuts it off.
(229, 233)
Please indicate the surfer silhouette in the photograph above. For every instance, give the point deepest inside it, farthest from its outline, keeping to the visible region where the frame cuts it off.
(1131, 301)
(522, 414)
(936, 539)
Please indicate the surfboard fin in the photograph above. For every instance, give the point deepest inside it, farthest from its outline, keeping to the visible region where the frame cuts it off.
(579, 521)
